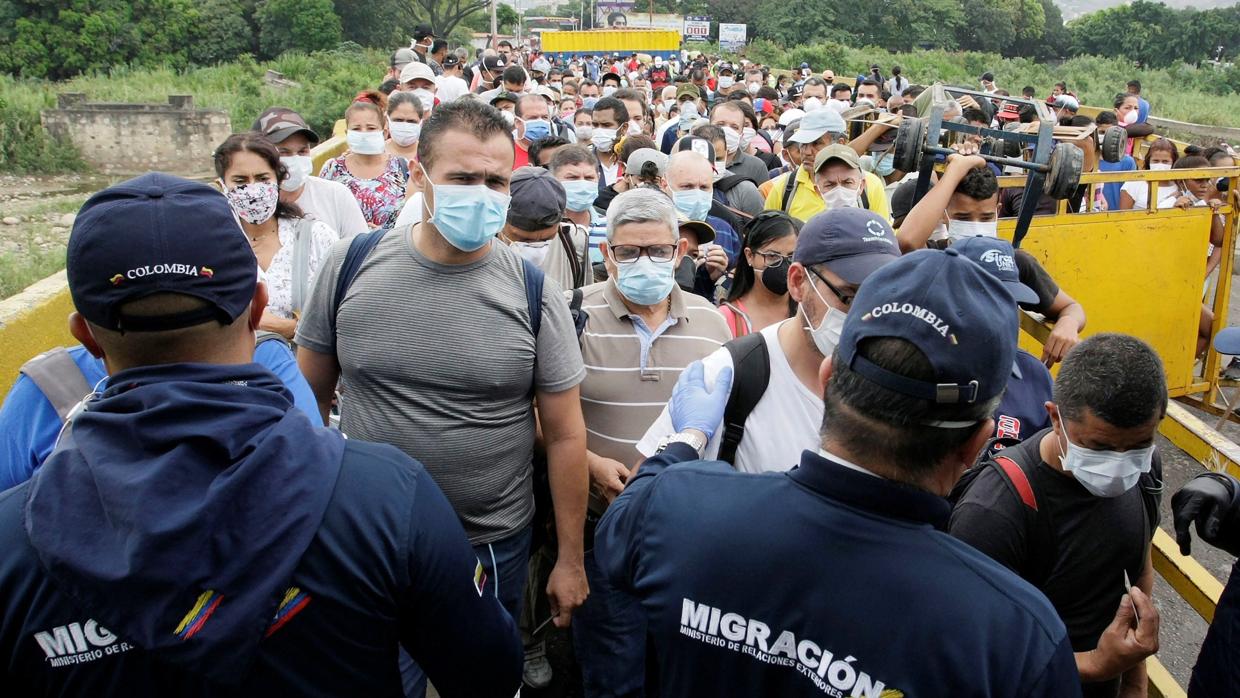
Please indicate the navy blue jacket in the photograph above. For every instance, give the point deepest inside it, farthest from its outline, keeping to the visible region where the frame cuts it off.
(191, 535)
(820, 581)
(1217, 672)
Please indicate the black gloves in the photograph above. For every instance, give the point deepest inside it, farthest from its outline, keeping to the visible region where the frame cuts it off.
(1212, 501)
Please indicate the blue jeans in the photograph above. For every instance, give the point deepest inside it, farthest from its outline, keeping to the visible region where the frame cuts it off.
(609, 637)
(511, 557)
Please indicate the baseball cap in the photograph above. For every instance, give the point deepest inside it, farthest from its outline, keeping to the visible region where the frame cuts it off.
(402, 57)
(538, 199)
(450, 61)
(422, 31)
(1065, 102)
(687, 89)
(902, 198)
(851, 242)
(794, 91)
(159, 234)
(1009, 112)
(698, 145)
(505, 97)
(641, 156)
(727, 67)
(416, 71)
(997, 257)
(816, 124)
(791, 115)
(835, 152)
(493, 63)
(278, 123)
(541, 65)
(702, 229)
(763, 106)
(789, 131)
(946, 306)
(1228, 341)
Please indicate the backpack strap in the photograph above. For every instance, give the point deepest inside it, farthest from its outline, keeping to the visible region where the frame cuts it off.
(577, 263)
(359, 248)
(58, 377)
(751, 371)
(301, 262)
(261, 337)
(533, 281)
(865, 199)
(790, 188)
(1016, 476)
(580, 317)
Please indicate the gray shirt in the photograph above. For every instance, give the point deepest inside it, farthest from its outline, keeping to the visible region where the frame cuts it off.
(751, 167)
(440, 361)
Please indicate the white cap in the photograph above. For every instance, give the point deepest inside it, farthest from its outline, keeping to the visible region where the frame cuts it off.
(417, 71)
(789, 116)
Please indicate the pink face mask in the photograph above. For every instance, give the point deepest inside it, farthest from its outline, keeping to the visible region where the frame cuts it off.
(1130, 118)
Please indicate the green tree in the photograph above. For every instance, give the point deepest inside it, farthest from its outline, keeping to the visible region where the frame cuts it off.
(506, 20)
(989, 26)
(801, 23)
(222, 32)
(444, 15)
(384, 24)
(297, 25)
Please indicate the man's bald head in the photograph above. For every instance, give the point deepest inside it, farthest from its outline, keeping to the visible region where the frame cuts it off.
(689, 170)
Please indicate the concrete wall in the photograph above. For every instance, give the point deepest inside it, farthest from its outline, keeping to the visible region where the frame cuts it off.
(135, 138)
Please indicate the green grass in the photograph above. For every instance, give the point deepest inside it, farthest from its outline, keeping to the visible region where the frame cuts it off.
(19, 270)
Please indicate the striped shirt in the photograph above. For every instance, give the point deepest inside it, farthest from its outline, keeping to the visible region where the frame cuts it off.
(440, 361)
(631, 369)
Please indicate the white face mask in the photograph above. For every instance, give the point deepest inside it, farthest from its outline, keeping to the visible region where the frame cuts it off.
(609, 90)
(299, 168)
(1104, 473)
(957, 230)
(635, 127)
(812, 104)
(603, 140)
(365, 142)
(732, 139)
(1130, 118)
(841, 197)
(404, 133)
(725, 81)
(533, 252)
(426, 97)
(826, 335)
(753, 88)
(584, 133)
(1159, 166)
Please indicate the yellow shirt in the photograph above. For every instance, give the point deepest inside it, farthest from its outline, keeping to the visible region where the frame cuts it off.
(806, 202)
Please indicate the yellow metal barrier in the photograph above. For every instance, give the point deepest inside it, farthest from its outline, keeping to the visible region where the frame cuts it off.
(1161, 683)
(36, 319)
(1198, 587)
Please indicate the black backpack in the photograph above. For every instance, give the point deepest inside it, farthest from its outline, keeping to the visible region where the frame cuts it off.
(751, 371)
(1018, 463)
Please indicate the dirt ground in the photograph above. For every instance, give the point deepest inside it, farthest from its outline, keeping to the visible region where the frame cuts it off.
(36, 212)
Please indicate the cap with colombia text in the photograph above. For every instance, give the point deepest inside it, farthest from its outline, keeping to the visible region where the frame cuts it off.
(159, 234)
(951, 309)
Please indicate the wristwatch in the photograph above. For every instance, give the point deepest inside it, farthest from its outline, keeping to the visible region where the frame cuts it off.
(693, 440)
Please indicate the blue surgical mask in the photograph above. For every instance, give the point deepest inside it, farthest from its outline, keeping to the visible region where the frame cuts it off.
(365, 142)
(694, 203)
(885, 165)
(644, 281)
(537, 129)
(581, 193)
(468, 216)
(589, 102)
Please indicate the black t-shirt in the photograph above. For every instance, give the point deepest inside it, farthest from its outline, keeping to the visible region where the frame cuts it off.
(1096, 539)
(1035, 276)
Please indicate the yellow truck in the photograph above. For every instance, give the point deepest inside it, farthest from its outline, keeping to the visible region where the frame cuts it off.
(564, 45)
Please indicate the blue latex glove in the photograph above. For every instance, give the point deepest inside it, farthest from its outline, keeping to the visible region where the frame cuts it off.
(695, 407)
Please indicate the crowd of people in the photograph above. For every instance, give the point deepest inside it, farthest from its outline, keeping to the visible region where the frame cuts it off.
(527, 292)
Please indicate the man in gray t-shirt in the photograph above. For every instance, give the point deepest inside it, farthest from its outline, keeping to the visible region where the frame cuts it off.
(435, 343)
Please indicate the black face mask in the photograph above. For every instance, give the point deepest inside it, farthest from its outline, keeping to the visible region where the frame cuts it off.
(776, 279)
(686, 273)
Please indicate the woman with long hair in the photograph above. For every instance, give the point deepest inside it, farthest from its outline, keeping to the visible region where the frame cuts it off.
(759, 294)
(290, 247)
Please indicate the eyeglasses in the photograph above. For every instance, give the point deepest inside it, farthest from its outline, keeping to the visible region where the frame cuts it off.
(626, 254)
(846, 300)
(774, 259)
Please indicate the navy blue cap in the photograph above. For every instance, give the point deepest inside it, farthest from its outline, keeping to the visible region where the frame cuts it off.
(951, 310)
(159, 234)
(996, 256)
(852, 242)
(1228, 341)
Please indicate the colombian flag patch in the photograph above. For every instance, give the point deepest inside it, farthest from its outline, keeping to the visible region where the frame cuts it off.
(480, 578)
(198, 615)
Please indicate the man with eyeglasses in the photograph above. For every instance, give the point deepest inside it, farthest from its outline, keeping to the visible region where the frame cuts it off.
(642, 331)
(835, 253)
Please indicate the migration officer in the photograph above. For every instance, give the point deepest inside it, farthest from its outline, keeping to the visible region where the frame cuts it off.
(838, 577)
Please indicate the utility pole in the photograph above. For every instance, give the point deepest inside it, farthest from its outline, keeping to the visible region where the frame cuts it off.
(494, 33)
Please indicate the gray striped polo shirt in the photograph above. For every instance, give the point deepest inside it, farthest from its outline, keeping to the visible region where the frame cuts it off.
(622, 395)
